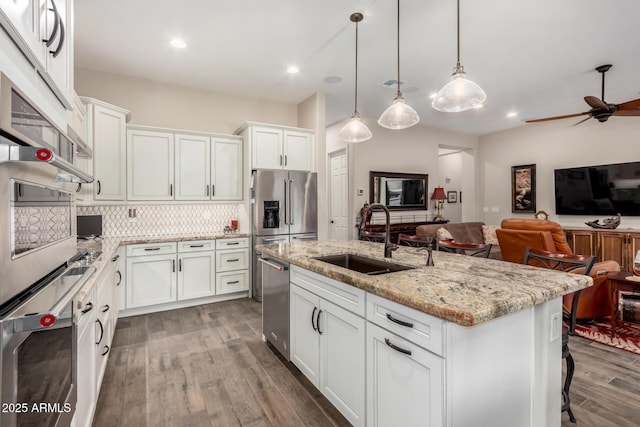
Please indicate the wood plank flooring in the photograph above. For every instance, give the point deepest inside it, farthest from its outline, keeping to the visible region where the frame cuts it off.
(207, 366)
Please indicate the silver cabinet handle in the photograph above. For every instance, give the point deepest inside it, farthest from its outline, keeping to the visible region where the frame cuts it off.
(273, 264)
(285, 160)
(290, 204)
(286, 200)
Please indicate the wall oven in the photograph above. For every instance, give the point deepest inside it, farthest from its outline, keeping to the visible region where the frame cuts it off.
(39, 278)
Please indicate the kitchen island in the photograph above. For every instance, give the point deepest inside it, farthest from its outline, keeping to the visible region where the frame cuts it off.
(467, 342)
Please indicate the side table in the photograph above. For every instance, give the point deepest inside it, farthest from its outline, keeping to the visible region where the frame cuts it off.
(619, 282)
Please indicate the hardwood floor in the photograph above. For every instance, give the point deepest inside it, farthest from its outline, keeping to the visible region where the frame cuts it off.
(207, 366)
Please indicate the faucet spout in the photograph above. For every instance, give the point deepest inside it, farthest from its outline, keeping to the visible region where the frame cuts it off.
(388, 246)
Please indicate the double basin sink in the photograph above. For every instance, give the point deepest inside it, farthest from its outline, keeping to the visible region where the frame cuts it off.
(363, 264)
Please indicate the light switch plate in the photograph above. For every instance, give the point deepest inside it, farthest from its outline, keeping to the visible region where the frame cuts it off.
(360, 191)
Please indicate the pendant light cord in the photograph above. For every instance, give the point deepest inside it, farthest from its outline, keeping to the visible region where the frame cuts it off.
(398, 46)
(355, 111)
(458, 17)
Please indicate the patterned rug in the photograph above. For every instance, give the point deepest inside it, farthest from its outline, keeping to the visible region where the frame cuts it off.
(627, 336)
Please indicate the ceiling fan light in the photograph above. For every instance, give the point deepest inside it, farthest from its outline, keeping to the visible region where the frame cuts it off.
(355, 130)
(399, 115)
(460, 94)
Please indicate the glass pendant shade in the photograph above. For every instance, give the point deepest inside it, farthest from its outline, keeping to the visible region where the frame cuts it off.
(460, 94)
(355, 130)
(399, 115)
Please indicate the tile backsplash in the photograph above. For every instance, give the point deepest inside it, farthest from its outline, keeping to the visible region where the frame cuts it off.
(159, 220)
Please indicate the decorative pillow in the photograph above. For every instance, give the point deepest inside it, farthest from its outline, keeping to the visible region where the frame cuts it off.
(489, 234)
(443, 234)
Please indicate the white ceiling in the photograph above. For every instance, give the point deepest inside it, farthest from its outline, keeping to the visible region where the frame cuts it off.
(535, 57)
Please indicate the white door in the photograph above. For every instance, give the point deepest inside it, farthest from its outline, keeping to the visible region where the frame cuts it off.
(149, 165)
(192, 167)
(305, 340)
(196, 274)
(402, 389)
(342, 360)
(266, 148)
(108, 132)
(298, 151)
(339, 204)
(226, 169)
(151, 280)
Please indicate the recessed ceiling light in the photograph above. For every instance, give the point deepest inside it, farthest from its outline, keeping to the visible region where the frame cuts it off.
(178, 43)
(512, 114)
(293, 70)
(433, 95)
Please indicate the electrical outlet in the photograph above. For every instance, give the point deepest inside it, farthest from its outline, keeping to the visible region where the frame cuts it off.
(360, 191)
(556, 327)
(495, 209)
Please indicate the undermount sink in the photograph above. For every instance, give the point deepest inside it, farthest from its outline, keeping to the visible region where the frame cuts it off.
(363, 264)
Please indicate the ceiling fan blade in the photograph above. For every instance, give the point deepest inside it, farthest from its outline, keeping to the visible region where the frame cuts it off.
(627, 113)
(595, 102)
(630, 105)
(582, 121)
(556, 117)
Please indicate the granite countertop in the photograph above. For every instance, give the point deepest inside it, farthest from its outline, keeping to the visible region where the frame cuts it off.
(462, 289)
(109, 245)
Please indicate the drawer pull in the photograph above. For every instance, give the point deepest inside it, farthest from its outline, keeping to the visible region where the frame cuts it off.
(101, 331)
(87, 308)
(233, 260)
(196, 246)
(399, 322)
(318, 321)
(151, 249)
(115, 258)
(232, 243)
(233, 283)
(313, 325)
(106, 350)
(106, 308)
(396, 348)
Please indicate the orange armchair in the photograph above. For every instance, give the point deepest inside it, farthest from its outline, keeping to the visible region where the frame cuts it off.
(518, 233)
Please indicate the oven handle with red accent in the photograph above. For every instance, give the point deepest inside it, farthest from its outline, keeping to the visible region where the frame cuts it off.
(46, 319)
(17, 153)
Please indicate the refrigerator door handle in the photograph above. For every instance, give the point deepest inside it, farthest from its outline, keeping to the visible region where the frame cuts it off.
(290, 203)
(286, 201)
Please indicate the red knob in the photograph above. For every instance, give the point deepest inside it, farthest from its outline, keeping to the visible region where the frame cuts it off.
(47, 320)
(43, 154)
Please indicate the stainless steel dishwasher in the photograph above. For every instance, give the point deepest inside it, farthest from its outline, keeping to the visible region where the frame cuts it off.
(275, 303)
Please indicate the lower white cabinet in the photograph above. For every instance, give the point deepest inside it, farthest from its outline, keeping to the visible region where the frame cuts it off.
(196, 274)
(86, 364)
(328, 346)
(232, 281)
(151, 280)
(404, 382)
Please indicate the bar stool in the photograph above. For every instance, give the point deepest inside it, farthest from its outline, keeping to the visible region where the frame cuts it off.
(414, 241)
(481, 250)
(580, 264)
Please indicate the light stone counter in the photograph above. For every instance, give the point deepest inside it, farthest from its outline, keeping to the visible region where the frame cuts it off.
(109, 245)
(461, 289)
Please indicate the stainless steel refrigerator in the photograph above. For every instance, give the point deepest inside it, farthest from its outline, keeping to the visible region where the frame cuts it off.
(284, 209)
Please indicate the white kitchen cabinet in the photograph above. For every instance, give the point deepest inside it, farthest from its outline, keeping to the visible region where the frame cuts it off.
(404, 382)
(86, 362)
(328, 345)
(279, 147)
(192, 167)
(22, 21)
(107, 136)
(232, 259)
(119, 279)
(59, 55)
(150, 160)
(226, 168)
(106, 318)
(232, 281)
(151, 280)
(196, 274)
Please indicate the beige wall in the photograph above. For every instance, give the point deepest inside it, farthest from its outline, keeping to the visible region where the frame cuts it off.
(180, 107)
(550, 146)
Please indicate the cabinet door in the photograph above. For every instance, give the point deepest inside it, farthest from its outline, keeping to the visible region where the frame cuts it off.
(196, 275)
(342, 360)
(298, 151)
(613, 246)
(305, 341)
(634, 247)
(120, 283)
(59, 62)
(266, 148)
(226, 169)
(23, 24)
(108, 134)
(232, 281)
(402, 389)
(103, 348)
(192, 167)
(151, 280)
(582, 242)
(86, 363)
(149, 165)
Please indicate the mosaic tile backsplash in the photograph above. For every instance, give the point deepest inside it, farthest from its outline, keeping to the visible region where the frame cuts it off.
(159, 220)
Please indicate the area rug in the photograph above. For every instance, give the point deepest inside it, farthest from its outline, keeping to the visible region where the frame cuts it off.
(627, 336)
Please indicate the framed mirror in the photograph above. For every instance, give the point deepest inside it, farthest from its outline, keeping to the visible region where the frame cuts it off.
(399, 190)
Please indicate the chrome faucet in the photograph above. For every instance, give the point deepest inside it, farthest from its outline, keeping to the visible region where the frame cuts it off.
(388, 246)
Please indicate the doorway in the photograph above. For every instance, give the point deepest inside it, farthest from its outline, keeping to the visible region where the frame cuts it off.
(338, 195)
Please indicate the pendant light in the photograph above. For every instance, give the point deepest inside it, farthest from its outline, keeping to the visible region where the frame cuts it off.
(355, 130)
(399, 115)
(460, 94)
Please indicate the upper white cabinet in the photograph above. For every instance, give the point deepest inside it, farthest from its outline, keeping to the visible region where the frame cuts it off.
(149, 165)
(107, 135)
(43, 31)
(277, 147)
(208, 167)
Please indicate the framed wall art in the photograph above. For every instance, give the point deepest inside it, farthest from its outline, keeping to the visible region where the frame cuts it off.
(523, 188)
(452, 197)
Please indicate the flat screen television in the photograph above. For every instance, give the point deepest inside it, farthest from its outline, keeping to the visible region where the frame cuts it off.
(599, 190)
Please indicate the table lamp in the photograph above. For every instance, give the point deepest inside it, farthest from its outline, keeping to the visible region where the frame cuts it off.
(439, 196)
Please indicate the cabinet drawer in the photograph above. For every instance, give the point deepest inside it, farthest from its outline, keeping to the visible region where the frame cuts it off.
(196, 246)
(232, 260)
(345, 296)
(420, 328)
(235, 281)
(151, 249)
(235, 243)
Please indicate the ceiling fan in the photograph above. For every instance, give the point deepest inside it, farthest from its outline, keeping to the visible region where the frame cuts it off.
(600, 109)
